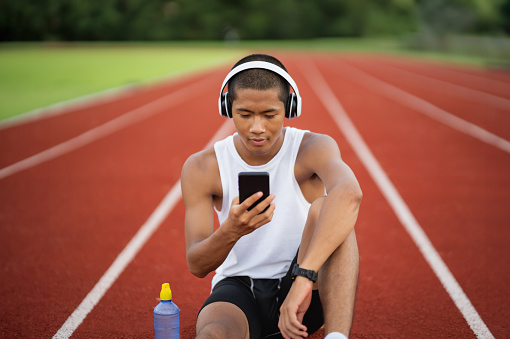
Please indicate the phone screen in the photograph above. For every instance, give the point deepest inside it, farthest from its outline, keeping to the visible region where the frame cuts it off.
(251, 183)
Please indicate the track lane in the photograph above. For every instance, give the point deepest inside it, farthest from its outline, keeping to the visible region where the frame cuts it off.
(102, 319)
(129, 118)
(455, 186)
(162, 259)
(455, 91)
(419, 105)
(490, 81)
(387, 306)
(32, 137)
(488, 111)
(66, 220)
(393, 197)
(394, 249)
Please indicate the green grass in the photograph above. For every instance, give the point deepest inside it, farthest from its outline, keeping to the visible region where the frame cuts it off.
(34, 75)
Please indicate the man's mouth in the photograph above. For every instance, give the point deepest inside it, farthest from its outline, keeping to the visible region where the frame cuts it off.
(258, 141)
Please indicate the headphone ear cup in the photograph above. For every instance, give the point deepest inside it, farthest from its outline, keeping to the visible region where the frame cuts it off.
(291, 106)
(226, 106)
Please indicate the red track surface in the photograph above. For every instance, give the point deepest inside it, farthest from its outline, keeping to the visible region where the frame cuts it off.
(64, 221)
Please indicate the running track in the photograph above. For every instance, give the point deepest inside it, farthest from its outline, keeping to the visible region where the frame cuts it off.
(92, 221)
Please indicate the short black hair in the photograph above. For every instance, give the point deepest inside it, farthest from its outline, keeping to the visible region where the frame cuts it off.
(260, 79)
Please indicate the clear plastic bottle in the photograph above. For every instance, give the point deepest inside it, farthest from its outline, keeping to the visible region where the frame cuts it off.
(166, 316)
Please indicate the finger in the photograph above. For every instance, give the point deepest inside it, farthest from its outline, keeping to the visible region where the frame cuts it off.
(251, 200)
(268, 214)
(296, 331)
(283, 328)
(259, 220)
(289, 331)
(261, 206)
(289, 325)
(295, 327)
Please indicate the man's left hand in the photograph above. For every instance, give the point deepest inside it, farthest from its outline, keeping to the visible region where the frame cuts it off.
(294, 308)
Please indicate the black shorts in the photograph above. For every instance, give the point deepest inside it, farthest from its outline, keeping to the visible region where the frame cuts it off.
(260, 300)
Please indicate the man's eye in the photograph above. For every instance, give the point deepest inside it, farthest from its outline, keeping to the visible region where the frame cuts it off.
(270, 116)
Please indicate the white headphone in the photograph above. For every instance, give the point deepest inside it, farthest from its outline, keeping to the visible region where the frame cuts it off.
(293, 106)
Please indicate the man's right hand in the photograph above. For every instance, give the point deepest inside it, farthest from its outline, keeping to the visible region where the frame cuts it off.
(240, 221)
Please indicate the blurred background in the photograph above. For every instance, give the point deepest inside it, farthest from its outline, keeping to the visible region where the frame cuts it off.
(425, 23)
(473, 31)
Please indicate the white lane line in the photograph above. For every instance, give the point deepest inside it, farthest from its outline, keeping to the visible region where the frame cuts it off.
(422, 106)
(131, 250)
(67, 106)
(110, 127)
(465, 76)
(107, 95)
(337, 112)
(449, 88)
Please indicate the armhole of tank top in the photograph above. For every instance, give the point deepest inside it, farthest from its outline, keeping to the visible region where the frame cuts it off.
(222, 180)
(294, 155)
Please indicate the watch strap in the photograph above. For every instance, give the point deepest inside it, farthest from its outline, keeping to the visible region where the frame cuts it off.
(309, 274)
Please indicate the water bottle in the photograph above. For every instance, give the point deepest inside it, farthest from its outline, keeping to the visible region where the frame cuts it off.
(166, 316)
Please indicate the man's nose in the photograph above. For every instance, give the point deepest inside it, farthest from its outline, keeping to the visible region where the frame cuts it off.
(257, 125)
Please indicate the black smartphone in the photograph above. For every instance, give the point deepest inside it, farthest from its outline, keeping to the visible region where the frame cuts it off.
(251, 183)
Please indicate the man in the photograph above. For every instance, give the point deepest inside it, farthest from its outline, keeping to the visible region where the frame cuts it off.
(258, 289)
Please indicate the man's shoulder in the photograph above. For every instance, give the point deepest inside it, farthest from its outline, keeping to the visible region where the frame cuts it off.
(316, 141)
(317, 149)
(201, 162)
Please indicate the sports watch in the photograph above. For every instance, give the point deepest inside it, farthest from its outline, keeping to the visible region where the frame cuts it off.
(310, 274)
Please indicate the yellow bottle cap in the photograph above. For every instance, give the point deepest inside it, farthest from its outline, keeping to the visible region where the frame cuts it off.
(166, 293)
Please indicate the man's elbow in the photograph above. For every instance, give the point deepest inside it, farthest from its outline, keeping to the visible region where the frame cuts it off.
(195, 269)
(356, 196)
(351, 198)
(197, 273)
(351, 195)
(355, 200)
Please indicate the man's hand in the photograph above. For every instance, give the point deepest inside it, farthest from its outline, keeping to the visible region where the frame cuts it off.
(241, 221)
(294, 308)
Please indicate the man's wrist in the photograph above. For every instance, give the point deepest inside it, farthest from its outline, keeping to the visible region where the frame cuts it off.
(301, 272)
(227, 233)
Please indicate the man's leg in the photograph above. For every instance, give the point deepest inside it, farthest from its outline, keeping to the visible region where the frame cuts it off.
(338, 277)
(338, 284)
(222, 320)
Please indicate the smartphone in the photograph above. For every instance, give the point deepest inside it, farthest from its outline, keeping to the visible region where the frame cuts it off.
(251, 183)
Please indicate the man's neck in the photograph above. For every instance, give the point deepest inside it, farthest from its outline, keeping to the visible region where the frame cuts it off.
(258, 159)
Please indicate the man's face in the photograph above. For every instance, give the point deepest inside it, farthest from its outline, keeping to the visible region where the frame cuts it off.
(258, 117)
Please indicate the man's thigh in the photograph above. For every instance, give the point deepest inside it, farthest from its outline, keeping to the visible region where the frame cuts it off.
(233, 299)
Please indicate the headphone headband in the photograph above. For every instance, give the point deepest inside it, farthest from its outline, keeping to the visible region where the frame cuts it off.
(262, 65)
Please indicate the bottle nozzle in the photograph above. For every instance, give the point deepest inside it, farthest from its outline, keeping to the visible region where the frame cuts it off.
(166, 293)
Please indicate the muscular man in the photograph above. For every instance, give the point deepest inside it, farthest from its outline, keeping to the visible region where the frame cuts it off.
(266, 263)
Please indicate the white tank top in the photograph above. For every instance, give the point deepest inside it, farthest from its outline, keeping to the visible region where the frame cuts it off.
(267, 252)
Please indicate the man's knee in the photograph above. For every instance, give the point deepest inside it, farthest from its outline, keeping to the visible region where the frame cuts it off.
(222, 320)
(213, 331)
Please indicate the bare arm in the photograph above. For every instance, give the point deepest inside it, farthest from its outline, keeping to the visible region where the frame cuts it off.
(336, 219)
(205, 249)
(339, 211)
